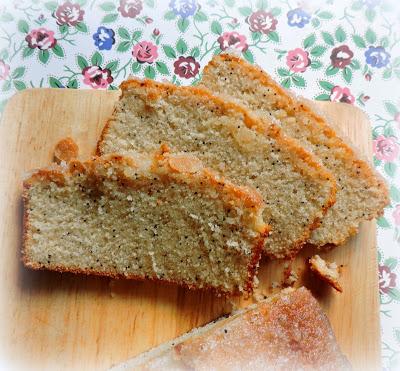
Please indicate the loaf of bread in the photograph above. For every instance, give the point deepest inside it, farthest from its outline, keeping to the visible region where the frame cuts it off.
(361, 192)
(163, 217)
(297, 190)
(288, 331)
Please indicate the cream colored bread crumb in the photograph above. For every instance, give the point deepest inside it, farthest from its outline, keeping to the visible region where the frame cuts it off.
(66, 150)
(288, 331)
(296, 189)
(328, 272)
(362, 193)
(144, 218)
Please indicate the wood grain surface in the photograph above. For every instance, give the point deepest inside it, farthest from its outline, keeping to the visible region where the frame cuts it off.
(58, 321)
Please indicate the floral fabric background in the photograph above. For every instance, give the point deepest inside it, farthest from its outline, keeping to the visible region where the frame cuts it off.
(337, 50)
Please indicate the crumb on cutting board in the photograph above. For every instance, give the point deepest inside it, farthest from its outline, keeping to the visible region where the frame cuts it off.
(66, 150)
(326, 271)
(290, 277)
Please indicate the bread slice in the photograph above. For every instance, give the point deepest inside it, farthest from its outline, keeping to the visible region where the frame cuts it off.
(164, 217)
(326, 271)
(288, 331)
(296, 189)
(362, 193)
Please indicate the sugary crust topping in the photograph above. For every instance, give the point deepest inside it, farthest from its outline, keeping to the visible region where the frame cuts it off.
(287, 331)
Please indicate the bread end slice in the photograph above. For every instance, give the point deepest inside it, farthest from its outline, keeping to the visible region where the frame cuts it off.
(288, 328)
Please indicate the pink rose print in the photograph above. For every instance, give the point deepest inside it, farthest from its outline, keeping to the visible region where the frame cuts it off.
(232, 40)
(4, 70)
(69, 14)
(339, 94)
(387, 279)
(341, 56)
(145, 52)
(396, 215)
(385, 149)
(262, 21)
(297, 60)
(41, 38)
(186, 67)
(97, 78)
(130, 8)
(397, 117)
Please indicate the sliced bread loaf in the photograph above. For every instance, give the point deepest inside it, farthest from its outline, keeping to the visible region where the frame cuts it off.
(288, 331)
(163, 218)
(296, 189)
(362, 193)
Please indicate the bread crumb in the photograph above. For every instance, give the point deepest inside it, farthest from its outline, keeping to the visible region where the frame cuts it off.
(291, 278)
(326, 271)
(275, 285)
(66, 150)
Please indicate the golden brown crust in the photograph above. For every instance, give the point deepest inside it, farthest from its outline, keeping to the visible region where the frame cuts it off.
(288, 101)
(250, 199)
(66, 150)
(155, 89)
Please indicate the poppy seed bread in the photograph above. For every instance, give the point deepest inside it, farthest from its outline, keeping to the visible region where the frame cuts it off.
(288, 331)
(296, 189)
(164, 218)
(361, 192)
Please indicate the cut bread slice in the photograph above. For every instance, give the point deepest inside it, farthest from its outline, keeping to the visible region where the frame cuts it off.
(165, 217)
(296, 189)
(288, 331)
(362, 193)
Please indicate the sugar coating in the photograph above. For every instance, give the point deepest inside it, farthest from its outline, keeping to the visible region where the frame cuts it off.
(288, 331)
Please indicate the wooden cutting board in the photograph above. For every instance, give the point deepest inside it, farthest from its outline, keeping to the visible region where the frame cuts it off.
(61, 321)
